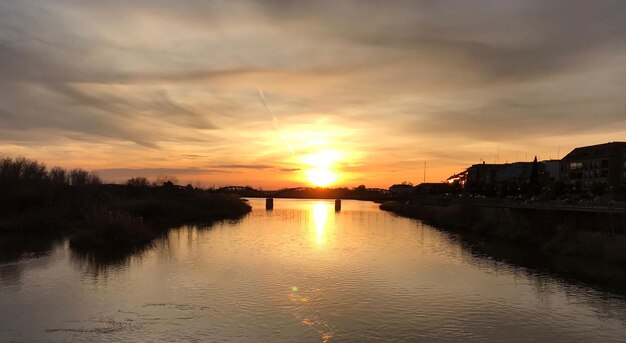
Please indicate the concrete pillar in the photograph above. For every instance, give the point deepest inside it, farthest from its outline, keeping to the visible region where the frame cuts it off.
(337, 205)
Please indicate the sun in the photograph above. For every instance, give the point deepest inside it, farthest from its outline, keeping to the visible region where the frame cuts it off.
(321, 177)
(320, 171)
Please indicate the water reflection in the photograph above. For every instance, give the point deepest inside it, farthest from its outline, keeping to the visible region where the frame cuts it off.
(320, 218)
(302, 273)
(99, 263)
(16, 246)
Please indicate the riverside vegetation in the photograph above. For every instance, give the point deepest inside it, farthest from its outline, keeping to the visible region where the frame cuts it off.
(38, 202)
(598, 235)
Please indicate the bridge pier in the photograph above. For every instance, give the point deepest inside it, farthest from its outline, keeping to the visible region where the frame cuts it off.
(269, 204)
(337, 205)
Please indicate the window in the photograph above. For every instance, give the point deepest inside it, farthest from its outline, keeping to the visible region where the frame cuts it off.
(575, 165)
(605, 163)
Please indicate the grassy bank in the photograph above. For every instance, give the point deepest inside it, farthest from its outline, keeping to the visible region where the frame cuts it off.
(37, 202)
(548, 231)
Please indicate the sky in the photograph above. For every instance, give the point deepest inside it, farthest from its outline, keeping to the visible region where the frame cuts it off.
(264, 93)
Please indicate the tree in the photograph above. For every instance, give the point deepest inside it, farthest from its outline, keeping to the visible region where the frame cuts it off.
(534, 177)
(165, 179)
(82, 178)
(59, 176)
(139, 182)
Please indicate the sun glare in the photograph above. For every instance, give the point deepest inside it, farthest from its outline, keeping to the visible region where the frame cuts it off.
(321, 176)
(320, 172)
(320, 217)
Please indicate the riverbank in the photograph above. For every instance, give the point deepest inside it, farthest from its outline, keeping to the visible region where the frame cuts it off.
(40, 204)
(597, 235)
(119, 223)
(132, 220)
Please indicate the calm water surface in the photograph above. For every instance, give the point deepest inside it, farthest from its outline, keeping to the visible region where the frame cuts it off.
(301, 273)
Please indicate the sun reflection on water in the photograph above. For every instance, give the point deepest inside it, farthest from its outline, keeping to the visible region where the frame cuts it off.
(320, 218)
(305, 299)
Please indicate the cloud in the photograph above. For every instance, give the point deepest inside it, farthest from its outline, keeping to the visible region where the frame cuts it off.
(243, 166)
(177, 81)
(122, 174)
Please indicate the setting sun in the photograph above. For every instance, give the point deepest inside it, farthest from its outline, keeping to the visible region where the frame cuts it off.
(313, 171)
(320, 172)
(321, 176)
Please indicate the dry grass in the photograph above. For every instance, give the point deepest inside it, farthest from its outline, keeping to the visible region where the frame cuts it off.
(536, 231)
(108, 229)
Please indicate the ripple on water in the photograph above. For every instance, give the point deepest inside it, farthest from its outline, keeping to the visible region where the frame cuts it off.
(357, 276)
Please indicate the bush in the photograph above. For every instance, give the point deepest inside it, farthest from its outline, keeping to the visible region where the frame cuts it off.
(58, 201)
(108, 229)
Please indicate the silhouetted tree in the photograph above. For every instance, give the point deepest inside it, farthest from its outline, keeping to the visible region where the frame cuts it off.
(139, 182)
(534, 177)
(58, 176)
(82, 178)
(162, 180)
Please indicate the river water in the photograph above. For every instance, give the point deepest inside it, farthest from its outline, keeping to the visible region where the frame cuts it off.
(300, 273)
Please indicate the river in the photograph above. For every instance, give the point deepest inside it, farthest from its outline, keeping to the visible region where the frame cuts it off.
(300, 273)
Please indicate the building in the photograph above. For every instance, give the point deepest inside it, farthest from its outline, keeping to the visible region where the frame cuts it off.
(508, 178)
(435, 188)
(482, 173)
(517, 172)
(596, 164)
(551, 171)
(400, 189)
(459, 178)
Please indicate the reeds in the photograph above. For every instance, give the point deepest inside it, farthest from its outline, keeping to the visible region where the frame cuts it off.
(112, 230)
(37, 200)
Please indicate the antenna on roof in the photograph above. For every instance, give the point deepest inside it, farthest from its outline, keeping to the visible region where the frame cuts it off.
(498, 155)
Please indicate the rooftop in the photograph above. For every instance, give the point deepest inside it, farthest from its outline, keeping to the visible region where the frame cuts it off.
(599, 150)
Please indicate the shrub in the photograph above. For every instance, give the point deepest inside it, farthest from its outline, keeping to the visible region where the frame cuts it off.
(108, 229)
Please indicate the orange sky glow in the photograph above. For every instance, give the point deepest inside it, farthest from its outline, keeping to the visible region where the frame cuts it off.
(325, 93)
